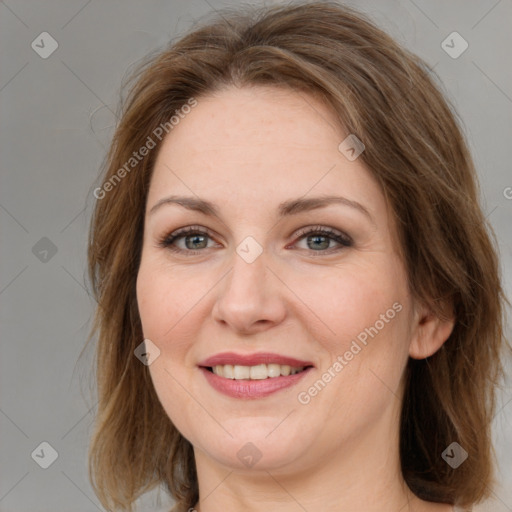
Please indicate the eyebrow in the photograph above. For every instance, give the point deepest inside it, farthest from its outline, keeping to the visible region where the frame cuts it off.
(290, 207)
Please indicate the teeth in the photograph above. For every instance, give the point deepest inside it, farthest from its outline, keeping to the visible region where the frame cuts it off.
(273, 370)
(229, 372)
(258, 372)
(241, 372)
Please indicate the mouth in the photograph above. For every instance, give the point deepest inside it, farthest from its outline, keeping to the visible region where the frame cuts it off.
(252, 376)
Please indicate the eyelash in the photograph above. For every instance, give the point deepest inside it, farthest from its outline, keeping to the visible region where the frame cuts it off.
(167, 241)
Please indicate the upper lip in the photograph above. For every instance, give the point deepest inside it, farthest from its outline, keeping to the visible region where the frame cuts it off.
(252, 360)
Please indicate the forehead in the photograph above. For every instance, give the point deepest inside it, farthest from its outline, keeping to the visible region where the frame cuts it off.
(260, 144)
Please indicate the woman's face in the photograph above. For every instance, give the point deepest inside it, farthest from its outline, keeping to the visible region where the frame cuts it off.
(257, 275)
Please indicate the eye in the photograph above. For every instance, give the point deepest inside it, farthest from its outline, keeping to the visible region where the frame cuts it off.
(193, 238)
(319, 238)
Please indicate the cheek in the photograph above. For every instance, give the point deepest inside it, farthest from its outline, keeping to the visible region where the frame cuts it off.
(151, 306)
(162, 298)
(172, 307)
(365, 321)
(349, 299)
(163, 316)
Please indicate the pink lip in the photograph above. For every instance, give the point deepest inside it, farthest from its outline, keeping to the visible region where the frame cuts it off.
(252, 360)
(247, 389)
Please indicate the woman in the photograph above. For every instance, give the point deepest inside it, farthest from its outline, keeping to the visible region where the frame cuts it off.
(299, 303)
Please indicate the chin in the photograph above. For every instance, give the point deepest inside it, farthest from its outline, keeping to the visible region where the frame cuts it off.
(255, 447)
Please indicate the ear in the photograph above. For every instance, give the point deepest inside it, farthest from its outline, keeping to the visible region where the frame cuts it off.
(430, 332)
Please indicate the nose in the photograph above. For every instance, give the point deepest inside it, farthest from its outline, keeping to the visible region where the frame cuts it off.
(250, 298)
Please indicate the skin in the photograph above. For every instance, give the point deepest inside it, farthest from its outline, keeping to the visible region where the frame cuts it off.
(247, 150)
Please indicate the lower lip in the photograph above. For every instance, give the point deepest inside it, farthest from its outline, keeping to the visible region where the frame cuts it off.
(245, 388)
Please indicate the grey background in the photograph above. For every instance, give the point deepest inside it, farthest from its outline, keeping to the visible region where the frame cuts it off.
(56, 117)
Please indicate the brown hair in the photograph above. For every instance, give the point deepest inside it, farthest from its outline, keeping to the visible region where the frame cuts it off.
(414, 148)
